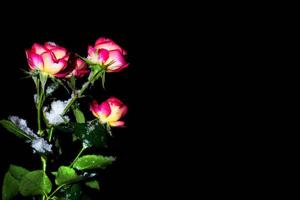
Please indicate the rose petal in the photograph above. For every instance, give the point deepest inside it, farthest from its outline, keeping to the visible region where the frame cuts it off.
(104, 109)
(115, 114)
(117, 123)
(94, 108)
(61, 75)
(50, 64)
(80, 64)
(101, 40)
(50, 45)
(80, 68)
(92, 54)
(103, 55)
(117, 60)
(114, 101)
(38, 49)
(91, 50)
(110, 46)
(35, 61)
(124, 110)
(59, 52)
(66, 57)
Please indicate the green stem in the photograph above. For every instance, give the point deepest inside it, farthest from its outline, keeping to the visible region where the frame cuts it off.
(39, 107)
(76, 96)
(56, 190)
(44, 163)
(44, 167)
(50, 134)
(69, 104)
(40, 96)
(78, 155)
(39, 118)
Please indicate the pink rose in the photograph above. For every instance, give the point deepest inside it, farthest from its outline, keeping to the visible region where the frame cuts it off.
(49, 58)
(109, 111)
(108, 53)
(80, 69)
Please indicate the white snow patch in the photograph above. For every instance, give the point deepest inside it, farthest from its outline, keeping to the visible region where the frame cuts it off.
(50, 89)
(41, 145)
(52, 43)
(22, 124)
(90, 129)
(54, 116)
(86, 174)
(35, 98)
(86, 144)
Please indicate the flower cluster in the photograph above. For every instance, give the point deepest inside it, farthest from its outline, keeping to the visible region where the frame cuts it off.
(51, 62)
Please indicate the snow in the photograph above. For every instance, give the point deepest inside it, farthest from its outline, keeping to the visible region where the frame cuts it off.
(87, 174)
(41, 145)
(35, 98)
(50, 89)
(86, 143)
(54, 116)
(22, 124)
(52, 43)
(38, 144)
(91, 128)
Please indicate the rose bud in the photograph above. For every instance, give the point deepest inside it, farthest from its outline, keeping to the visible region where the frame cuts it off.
(80, 69)
(109, 111)
(107, 53)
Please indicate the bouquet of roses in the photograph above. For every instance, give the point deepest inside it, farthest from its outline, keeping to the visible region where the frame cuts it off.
(53, 68)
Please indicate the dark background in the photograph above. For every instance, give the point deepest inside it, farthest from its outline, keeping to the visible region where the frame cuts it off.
(134, 146)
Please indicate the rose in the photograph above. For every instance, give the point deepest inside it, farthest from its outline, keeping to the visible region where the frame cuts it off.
(107, 53)
(80, 69)
(109, 111)
(50, 59)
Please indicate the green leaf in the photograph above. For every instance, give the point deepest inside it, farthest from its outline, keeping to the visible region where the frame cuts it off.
(70, 192)
(10, 187)
(91, 134)
(35, 183)
(35, 80)
(17, 172)
(79, 115)
(74, 193)
(11, 127)
(54, 173)
(65, 175)
(95, 68)
(93, 184)
(86, 60)
(93, 162)
(66, 128)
